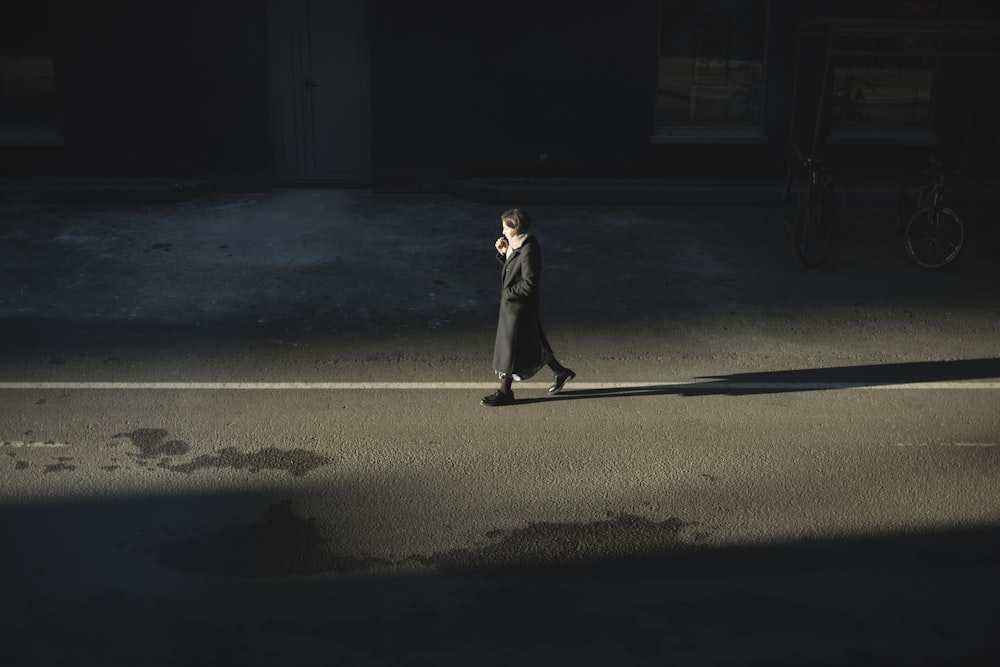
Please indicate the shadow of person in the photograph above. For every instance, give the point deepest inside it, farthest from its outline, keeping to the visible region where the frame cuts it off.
(798, 380)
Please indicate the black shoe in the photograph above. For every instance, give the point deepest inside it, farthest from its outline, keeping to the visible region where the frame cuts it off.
(561, 379)
(498, 398)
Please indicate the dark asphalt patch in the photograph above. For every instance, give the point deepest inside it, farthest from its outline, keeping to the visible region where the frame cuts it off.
(543, 544)
(296, 462)
(281, 544)
(61, 466)
(152, 443)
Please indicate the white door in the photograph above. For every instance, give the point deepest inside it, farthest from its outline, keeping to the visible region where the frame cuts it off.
(319, 90)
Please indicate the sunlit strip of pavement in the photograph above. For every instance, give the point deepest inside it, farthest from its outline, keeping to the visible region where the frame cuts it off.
(719, 385)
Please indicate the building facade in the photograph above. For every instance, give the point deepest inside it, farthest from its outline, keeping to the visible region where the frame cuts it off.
(402, 95)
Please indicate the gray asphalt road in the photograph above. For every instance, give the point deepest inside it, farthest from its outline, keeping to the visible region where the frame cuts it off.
(245, 430)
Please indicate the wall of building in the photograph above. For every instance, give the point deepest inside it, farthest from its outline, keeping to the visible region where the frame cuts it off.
(458, 89)
(172, 89)
(515, 88)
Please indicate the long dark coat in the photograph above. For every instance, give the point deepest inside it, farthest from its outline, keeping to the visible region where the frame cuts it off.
(518, 347)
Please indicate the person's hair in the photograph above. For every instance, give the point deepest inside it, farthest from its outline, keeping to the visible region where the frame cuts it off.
(517, 218)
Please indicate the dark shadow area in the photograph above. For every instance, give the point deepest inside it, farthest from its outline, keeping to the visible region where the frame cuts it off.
(245, 579)
(810, 379)
(325, 259)
(315, 285)
(876, 374)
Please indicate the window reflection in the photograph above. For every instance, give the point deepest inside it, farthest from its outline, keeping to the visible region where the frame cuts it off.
(883, 80)
(710, 68)
(882, 91)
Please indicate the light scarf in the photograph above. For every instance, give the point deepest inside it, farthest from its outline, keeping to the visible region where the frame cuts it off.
(516, 243)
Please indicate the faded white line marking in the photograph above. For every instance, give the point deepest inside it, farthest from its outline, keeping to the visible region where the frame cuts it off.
(948, 444)
(721, 385)
(19, 443)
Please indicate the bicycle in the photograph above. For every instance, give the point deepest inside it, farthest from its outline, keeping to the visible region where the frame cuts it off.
(812, 227)
(933, 234)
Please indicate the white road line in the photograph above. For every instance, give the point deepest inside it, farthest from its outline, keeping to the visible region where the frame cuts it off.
(19, 443)
(948, 444)
(624, 387)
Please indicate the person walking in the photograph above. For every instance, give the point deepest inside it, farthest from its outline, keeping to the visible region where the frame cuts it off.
(521, 348)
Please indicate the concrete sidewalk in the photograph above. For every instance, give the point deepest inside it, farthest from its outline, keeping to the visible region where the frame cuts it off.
(414, 276)
(758, 191)
(486, 190)
(99, 190)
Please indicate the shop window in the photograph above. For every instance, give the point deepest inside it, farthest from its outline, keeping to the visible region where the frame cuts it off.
(881, 91)
(882, 83)
(711, 67)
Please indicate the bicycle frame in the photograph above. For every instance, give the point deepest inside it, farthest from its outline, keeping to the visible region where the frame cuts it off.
(812, 226)
(933, 234)
(928, 193)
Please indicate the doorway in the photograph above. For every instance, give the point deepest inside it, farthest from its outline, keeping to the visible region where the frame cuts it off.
(318, 62)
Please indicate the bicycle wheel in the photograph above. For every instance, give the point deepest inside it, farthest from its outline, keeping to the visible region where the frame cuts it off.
(934, 237)
(906, 205)
(813, 230)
